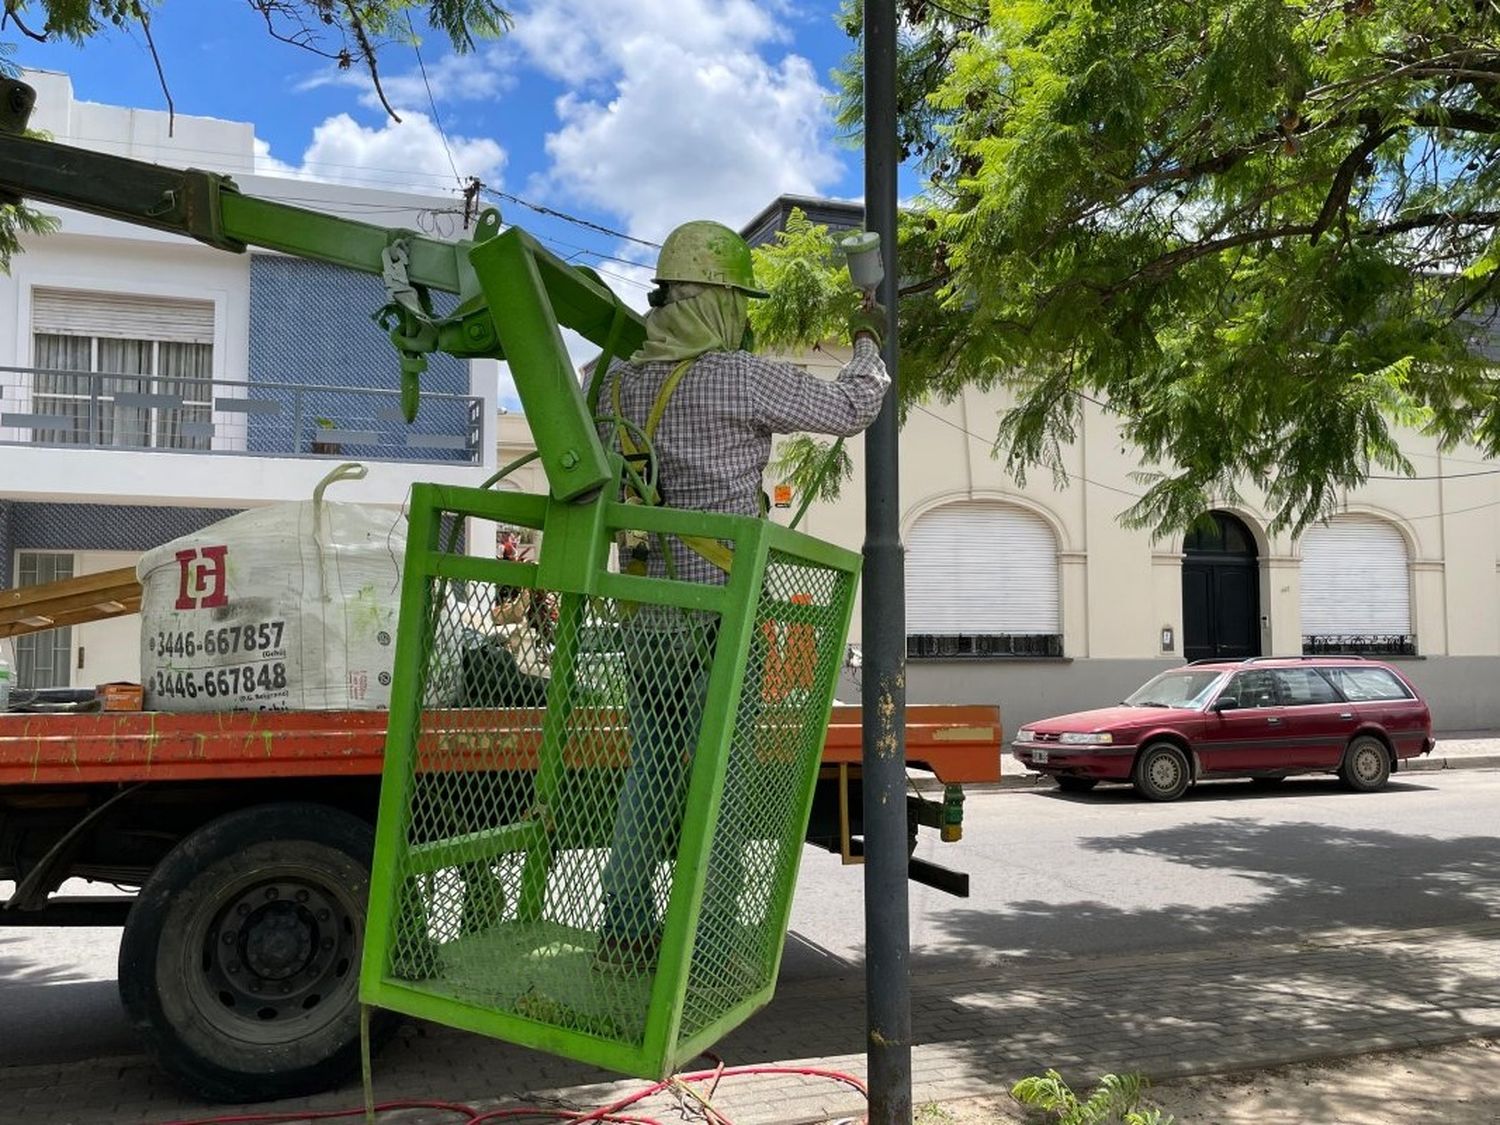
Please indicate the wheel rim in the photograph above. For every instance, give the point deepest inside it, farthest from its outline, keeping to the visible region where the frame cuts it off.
(1164, 772)
(278, 956)
(1366, 764)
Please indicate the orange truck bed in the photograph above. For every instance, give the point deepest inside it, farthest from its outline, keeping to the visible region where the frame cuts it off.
(959, 744)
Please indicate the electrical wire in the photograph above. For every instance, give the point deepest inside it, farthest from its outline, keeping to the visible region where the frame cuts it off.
(1137, 496)
(552, 212)
(431, 101)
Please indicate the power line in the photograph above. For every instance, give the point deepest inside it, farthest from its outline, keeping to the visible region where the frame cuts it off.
(1136, 496)
(431, 101)
(949, 422)
(552, 212)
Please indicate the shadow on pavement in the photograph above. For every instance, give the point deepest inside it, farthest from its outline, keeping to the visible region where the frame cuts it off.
(1257, 992)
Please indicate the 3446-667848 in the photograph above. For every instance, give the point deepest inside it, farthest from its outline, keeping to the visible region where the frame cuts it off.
(242, 679)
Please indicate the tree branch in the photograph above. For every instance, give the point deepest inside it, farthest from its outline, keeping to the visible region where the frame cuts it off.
(161, 75)
(1343, 178)
(367, 52)
(15, 17)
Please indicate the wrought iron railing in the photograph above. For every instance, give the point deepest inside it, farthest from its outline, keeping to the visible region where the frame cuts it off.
(1359, 644)
(97, 410)
(982, 646)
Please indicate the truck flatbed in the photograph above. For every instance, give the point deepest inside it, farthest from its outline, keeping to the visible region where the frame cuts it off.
(958, 744)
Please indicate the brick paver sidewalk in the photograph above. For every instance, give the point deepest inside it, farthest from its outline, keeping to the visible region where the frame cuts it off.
(978, 1029)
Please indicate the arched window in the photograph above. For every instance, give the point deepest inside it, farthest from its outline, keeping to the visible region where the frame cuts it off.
(1356, 589)
(981, 580)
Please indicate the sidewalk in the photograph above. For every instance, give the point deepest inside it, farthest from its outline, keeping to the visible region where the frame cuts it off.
(1474, 750)
(978, 1029)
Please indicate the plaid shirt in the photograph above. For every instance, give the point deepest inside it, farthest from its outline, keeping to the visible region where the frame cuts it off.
(714, 439)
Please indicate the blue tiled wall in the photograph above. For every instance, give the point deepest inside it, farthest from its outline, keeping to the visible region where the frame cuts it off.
(5, 547)
(310, 324)
(94, 527)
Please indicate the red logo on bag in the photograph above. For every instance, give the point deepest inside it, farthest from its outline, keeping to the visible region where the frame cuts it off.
(203, 579)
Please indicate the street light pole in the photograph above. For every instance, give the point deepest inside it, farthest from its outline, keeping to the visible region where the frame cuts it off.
(883, 632)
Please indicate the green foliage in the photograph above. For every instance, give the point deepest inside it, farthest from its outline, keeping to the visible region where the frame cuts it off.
(811, 296)
(812, 466)
(299, 21)
(1261, 231)
(1117, 1099)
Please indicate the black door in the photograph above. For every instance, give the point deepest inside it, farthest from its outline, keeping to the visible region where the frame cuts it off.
(1220, 590)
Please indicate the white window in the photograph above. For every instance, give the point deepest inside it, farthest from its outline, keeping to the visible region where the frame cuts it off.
(120, 370)
(1356, 588)
(43, 660)
(981, 580)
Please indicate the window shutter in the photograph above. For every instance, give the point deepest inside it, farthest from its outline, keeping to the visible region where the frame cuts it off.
(976, 567)
(1355, 579)
(78, 312)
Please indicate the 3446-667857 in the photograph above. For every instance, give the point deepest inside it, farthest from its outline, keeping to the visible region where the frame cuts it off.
(226, 640)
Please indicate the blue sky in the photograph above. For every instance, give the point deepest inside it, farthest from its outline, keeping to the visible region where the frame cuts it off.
(634, 114)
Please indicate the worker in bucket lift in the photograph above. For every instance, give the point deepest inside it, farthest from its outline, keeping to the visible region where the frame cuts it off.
(707, 406)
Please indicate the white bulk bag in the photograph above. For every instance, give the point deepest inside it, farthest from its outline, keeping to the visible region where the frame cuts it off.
(284, 608)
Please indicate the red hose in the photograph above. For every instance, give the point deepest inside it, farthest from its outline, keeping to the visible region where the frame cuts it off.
(610, 1114)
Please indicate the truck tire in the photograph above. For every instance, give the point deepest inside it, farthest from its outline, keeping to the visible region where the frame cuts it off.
(239, 964)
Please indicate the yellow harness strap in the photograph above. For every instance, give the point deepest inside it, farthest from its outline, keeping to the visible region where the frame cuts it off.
(710, 550)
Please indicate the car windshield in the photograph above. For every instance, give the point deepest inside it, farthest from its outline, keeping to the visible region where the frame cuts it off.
(1187, 688)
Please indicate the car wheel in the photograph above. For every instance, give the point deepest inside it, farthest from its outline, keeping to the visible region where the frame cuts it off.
(239, 963)
(1161, 772)
(1076, 784)
(1367, 765)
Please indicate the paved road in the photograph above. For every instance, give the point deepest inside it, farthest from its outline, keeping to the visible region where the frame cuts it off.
(1052, 876)
(1075, 894)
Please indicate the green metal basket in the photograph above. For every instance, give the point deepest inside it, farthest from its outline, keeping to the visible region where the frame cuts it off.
(597, 784)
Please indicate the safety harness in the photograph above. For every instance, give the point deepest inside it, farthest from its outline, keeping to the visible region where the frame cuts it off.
(637, 543)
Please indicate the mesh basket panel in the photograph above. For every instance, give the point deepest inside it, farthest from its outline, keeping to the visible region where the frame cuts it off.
(530, 878)
(795, 650)
(502, 899)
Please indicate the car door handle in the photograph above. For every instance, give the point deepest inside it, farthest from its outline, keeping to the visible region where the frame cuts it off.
(1274, 722)
(1346, 714)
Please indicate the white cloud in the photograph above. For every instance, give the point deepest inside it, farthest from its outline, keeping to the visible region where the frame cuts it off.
(483, 74)
(409, 155)
(580, 40)
(676, 112)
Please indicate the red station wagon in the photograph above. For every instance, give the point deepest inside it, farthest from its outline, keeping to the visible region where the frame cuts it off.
(1265, 718)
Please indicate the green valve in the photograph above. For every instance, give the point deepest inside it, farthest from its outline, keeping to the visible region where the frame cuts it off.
(953, 814)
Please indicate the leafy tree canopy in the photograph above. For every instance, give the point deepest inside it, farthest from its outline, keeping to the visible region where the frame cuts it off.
(1262, 232)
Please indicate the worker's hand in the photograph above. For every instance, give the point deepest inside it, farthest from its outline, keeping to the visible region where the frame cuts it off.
(868, 318)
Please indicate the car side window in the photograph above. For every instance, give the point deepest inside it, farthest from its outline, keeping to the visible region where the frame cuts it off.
(1253, 689)
(1368, 685)
(1303, 687)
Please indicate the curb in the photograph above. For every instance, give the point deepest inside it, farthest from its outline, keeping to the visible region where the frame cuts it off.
(1430, 764)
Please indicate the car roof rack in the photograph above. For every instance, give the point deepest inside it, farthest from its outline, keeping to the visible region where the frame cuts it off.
(1215, 660)
(1307, 656)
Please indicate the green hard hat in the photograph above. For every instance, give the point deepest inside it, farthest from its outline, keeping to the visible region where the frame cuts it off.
(710, 253)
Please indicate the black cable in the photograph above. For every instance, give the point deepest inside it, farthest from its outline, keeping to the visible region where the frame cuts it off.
(541, 209)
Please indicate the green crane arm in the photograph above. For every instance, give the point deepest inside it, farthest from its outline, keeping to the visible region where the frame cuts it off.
(513, 293)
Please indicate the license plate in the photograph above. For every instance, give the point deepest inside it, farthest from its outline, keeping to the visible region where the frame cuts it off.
(1039, 757)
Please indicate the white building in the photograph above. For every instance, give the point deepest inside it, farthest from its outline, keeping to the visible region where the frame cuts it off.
(150, 385)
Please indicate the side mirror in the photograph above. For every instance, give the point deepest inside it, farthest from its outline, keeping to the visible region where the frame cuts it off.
(1225, 703)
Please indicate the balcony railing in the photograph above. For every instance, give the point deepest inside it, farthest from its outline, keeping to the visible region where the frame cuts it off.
(92, 410)
(1359, 644)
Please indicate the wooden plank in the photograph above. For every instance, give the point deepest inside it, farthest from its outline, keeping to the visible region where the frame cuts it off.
(70, 601)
